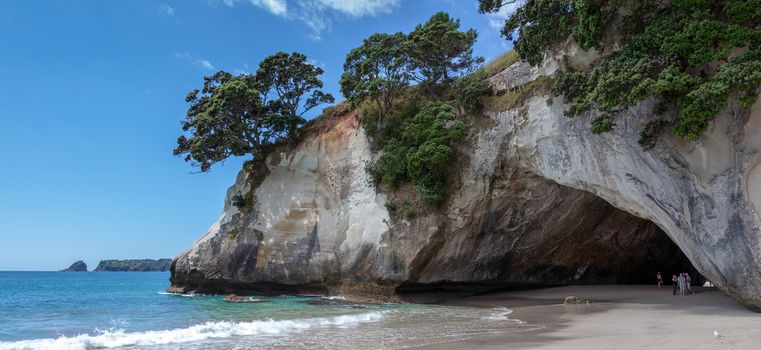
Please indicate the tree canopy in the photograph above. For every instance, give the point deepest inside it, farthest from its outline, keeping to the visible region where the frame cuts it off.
(295, 85)
(440, 51)
(691, 55)
(421, 125)
(434, 54)
(378, 70)
(244, 114)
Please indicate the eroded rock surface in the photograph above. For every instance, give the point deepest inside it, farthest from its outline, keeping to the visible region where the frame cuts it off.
(540, 201)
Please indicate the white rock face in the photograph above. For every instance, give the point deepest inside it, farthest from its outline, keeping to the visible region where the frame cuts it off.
(540, 200)
(316, 207)
(703, 195)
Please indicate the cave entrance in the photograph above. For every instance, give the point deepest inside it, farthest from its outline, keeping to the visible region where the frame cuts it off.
(582, 239)
(534, 232)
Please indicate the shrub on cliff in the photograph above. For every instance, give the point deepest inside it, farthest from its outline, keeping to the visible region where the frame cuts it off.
(422, 153)
(239, 115)
(468, 91)
(691, 55)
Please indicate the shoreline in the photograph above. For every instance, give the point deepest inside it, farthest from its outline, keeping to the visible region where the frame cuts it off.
(619, 317)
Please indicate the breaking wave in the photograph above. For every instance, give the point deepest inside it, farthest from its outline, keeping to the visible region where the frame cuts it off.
(208, 330)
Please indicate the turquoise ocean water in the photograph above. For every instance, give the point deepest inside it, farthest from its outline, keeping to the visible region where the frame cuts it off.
(99, 310)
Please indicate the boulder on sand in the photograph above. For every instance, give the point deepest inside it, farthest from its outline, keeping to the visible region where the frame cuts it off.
(572, 300)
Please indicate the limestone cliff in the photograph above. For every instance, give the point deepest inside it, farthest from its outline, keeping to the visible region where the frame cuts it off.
(539, 201)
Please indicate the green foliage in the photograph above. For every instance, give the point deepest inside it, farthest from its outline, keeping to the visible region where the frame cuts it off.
(292, 86)
(368, 113)
(238, 115)
(741, 74)
(602, 124)
(534, 26)
(378, 70)
(670, 51)
(422, 152)
(415, 134)
(408, 209)
(382, 68)
(391, 168)
(227, 118)
(238, 200)
(440, 51)
(390, 207)
(588, 30)
(468, 91)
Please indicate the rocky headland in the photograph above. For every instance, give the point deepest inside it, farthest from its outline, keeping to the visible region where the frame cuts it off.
(78, 266)
(135, 265)
(538, 201)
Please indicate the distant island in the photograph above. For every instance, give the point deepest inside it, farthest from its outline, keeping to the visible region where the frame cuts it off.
(136, 265)
(78, 266)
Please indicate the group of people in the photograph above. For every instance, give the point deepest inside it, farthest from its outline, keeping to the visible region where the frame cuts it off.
(681, 283)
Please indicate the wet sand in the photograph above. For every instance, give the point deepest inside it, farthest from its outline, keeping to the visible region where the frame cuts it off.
(620, 317)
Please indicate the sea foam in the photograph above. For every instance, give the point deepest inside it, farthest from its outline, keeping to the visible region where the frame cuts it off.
(208, 330)
(501, 314)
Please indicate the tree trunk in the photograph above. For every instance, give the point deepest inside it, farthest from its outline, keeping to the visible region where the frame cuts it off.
(380, 116)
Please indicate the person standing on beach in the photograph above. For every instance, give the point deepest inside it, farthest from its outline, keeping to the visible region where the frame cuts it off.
(673, 284)
(682, 284)
(688, 282)
(660, 279)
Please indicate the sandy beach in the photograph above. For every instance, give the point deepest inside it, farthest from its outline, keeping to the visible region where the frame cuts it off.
(620, 317)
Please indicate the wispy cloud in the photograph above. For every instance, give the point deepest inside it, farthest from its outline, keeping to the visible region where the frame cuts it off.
(243, 70)
(357, 8)
(205, 64)
(276, 7)
(497, 20)
(166, 9)
(318, 15)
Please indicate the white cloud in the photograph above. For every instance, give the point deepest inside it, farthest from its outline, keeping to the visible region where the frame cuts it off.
(357, 8)
(204, 64)
(318, 15)
(276, 7)
(166, 9)
(497, 20)
(243, 70)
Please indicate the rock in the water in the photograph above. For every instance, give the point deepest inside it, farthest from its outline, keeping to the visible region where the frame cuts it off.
(232, 298)
(572, 300)
(78, 266)
(134, 265)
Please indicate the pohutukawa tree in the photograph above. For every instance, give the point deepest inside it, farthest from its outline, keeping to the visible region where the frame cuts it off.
(293, 84)
(244, 114)
(440, 52)
(378, 70)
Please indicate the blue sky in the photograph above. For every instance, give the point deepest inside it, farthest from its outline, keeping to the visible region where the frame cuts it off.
(92, 96)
